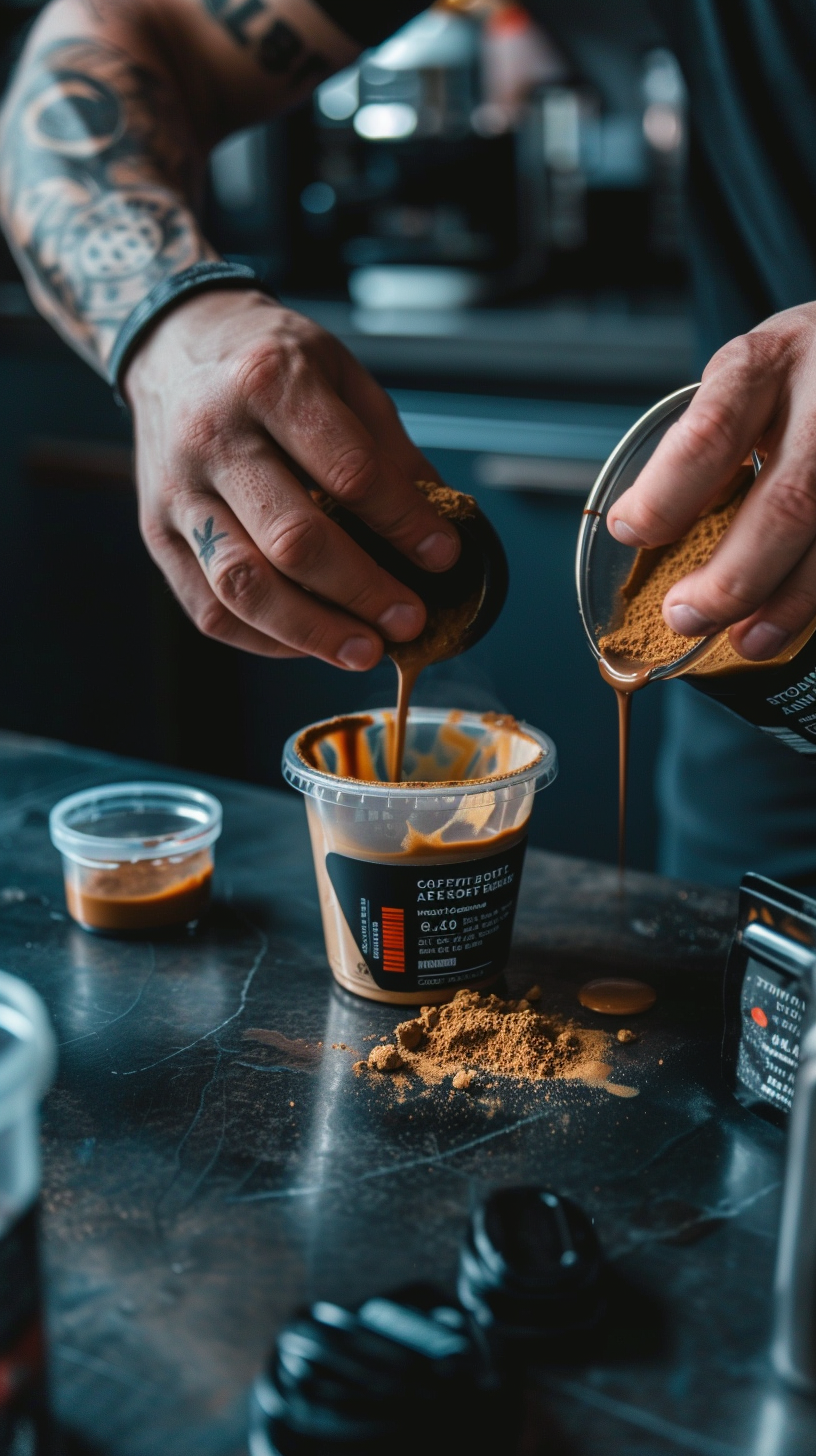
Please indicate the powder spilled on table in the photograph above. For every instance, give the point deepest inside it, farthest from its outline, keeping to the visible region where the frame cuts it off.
(474, 1037)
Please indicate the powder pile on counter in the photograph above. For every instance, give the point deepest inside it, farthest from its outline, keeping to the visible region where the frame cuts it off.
(474, 1034)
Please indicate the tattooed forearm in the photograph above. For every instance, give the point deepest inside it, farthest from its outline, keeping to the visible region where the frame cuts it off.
(105, 131)
(206, 541)
(275, 44)
(95, 177)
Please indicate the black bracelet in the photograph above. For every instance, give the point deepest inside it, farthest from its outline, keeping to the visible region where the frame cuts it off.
(161, 298)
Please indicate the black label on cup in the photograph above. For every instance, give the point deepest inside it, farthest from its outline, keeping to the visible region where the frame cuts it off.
(428, 926)
(779, 700)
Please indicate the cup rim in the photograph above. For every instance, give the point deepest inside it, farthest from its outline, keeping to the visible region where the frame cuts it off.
(204, 809)
(595, 509)
(314, 783)
(27, 1066)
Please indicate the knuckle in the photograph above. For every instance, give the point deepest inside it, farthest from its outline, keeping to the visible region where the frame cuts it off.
(403, 521)
(241, 585)
(352, 475)
(798, 604)
(201, 435)
(154, 533)
(263, 369)
(649, 523)
(729, 601)
(795, 505)
(294, 542)
(210, 617)
(752, 355)
(711, 428)
(315, 638)
(364, 602)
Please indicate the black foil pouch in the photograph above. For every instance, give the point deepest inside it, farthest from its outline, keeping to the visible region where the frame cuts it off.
(767, 985)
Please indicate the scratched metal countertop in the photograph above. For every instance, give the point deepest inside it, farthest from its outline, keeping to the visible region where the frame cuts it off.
(203, 1177)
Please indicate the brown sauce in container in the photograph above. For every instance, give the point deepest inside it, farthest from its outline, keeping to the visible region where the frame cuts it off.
(146, 895)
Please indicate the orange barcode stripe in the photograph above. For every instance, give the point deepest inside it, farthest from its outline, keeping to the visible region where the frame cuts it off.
(393, 938)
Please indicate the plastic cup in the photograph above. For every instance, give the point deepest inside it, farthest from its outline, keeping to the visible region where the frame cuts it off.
(418, 881)
(27, 1062)
(136, 857)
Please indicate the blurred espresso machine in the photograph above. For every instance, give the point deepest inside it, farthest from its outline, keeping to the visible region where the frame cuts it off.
(466, 160)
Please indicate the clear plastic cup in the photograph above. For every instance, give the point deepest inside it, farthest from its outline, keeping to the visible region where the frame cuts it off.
(136, 857)
(418, 881)
(27, 1062)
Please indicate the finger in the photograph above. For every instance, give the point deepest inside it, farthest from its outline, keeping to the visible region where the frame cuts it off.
(782, 618)
(704, 449)
(245, 583)
(300, 541)
(202, 607)
(379, 414)
(305, 415)
(771, 532)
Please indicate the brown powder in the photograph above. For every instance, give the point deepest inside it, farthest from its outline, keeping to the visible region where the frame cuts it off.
(641, 635)
(454, 505)
(384, 1059)
(474, 1036)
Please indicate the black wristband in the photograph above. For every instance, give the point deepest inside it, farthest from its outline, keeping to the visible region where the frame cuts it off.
(160, 299)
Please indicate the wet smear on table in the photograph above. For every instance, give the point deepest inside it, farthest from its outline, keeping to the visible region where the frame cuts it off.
(293, 1052)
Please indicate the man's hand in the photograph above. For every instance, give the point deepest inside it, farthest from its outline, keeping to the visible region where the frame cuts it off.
(758, 391)
(234, 397)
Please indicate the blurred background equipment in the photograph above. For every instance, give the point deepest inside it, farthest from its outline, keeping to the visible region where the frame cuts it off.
(466, 160)
(488, 211)
(402, 1372)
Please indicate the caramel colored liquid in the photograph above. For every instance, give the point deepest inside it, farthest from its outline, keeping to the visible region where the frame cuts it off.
(442, 638)
(141, 896)
(617, 996)
(625, 678)
(407, 675)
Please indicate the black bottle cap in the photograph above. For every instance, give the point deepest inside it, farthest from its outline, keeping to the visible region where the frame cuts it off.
(389, 1377)
(479, 573)
(531, 1265)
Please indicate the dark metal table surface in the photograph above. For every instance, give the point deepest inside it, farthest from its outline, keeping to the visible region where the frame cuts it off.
(211, 1159)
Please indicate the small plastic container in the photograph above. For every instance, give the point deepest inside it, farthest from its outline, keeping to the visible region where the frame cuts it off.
(418, 881)
(27, 1062)
(136, 857)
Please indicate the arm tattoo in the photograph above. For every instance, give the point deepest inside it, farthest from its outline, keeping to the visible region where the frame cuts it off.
(273, 43)
(97, 163)
(206, 541)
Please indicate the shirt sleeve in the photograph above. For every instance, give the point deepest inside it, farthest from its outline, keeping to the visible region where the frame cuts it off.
(371, 21)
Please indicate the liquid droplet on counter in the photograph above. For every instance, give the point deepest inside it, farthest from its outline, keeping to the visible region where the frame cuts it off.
(617, 996)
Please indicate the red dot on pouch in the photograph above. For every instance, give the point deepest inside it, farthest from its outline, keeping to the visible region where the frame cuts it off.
(759, 1016)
